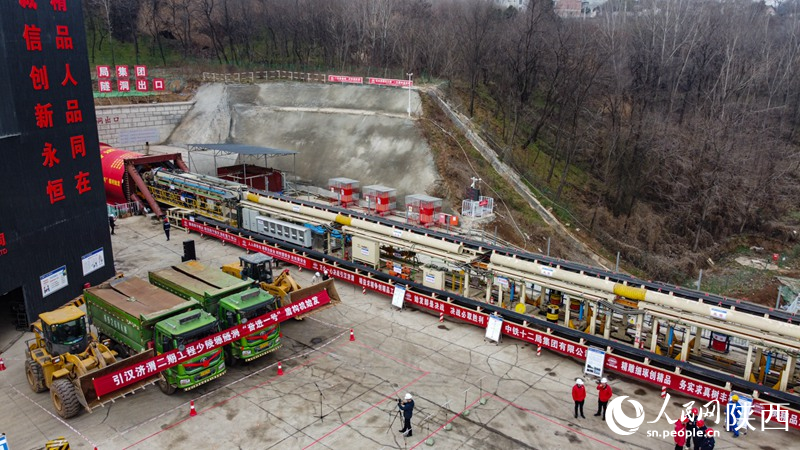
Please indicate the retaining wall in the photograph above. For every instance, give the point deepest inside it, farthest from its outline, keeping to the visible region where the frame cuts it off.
(131, 127)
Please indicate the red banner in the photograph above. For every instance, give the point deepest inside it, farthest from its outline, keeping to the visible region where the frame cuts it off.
(113, 381)
(391, 82)
(345, 79)
(675, 382)
(547, 341)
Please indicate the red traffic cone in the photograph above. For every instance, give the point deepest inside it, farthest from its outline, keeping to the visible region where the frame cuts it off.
(2, 365)
(441, 317)
(192, 412)
(352, 336)
(538, 350)
(364, 290)
(663, 391)
(280, 369)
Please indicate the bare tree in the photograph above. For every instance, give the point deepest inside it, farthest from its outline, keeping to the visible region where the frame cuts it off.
(476, 25)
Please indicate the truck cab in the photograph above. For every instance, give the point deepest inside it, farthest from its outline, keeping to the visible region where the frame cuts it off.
(175, 333)
(232, 299)
(241, 308)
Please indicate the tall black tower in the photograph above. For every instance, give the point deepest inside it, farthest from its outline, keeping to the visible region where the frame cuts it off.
(54, 234)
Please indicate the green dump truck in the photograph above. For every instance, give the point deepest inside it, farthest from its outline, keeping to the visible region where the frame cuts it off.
(137, 316)
(232, 300)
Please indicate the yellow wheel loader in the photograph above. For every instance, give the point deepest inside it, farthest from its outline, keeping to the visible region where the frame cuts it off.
(64, 356)
(258, 266)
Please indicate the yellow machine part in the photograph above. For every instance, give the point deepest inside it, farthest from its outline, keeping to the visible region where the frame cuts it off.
(96, 356)
(589, 314)
(626, 302)
(61, 315)
(285, 288)
(630, 292)
(234, 269)
(59, 443)
(678, 356)
(552, 313)
(281, 287)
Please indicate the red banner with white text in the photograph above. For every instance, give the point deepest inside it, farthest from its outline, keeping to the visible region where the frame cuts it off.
(130, 375)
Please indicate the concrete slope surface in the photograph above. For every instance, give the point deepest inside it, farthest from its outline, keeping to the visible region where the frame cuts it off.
(358, 132)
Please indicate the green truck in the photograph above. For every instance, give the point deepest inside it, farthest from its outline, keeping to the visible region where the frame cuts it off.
(137, 316)
(231, 300)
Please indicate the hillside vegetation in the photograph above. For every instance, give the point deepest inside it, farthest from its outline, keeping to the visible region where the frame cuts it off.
(665, 130)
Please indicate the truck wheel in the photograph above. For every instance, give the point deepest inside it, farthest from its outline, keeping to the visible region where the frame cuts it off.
(165, 386)
(35, 375)
(65, 398)
(230, 360)
(122, 352)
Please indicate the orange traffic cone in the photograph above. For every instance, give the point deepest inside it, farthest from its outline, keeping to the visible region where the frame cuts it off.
(352, 336)
(280, 369)
(364, 290)
(441, 317)
(538, 350)
(192, 412)
(663, 391)
(2, 365)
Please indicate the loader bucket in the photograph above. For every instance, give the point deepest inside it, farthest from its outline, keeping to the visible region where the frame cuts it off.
(307, 292)
(85, 386)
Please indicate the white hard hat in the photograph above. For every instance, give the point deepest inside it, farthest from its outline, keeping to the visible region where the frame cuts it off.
(408, 396)
(317, 274)
(579, 381)
(604, 381)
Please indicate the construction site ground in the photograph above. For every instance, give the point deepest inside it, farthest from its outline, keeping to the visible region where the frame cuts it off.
(340, 394)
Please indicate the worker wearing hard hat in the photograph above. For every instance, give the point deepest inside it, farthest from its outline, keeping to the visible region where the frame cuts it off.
(700, 434)
(708, 442)
(734, 410)
(680, 433)
(604, 395)
(407, 406)
(691, 426)
(579, 396)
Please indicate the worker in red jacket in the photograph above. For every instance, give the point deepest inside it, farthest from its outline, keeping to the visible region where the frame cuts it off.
(578, 396)
(680, 433)
(604, 392)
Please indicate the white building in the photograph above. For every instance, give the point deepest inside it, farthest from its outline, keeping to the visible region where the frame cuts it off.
(519, 4)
